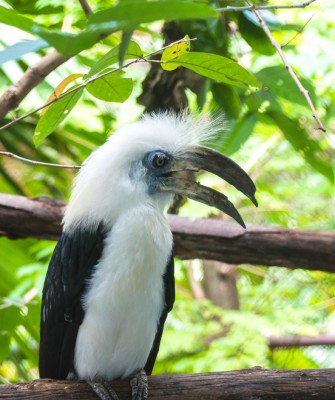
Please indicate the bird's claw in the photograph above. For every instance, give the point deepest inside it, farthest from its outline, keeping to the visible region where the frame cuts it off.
(139, 386)
(103, 389)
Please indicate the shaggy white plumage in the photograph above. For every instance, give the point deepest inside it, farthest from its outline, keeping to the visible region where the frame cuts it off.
(111, 181)
(124, 301)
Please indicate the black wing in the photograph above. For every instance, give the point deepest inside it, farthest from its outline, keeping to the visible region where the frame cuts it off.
(69, 270)
(169, 296)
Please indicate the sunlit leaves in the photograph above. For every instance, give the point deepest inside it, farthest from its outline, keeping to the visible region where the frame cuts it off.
(254, 35)
(124, 16)
(217, 67)
(112, 57)
(227, 98)
(281, 84)
(125, 40)
(60, 88)
(111, 88)
(129, 14)
(238, 134)
(55, 114)
(309, 148)
(174, 51)
(12, 18)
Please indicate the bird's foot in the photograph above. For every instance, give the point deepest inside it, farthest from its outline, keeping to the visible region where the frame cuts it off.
(139, 385)
(103, 389)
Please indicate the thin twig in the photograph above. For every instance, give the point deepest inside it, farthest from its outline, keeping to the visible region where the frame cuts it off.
(27, 160)
(271, 7)
(183, 40)
(279, 49)
(86, 7)
(299, 32)
(83, 85)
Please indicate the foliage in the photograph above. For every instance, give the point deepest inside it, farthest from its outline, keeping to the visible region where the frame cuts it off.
(268, 130)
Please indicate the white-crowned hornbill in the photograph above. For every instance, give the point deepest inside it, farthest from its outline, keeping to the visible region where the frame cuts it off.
(110, 282)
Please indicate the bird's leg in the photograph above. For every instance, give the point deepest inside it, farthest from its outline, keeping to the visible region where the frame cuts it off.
(103, 389)
(139, 385)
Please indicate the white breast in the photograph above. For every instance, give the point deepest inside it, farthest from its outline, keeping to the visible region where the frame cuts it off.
(125, 299)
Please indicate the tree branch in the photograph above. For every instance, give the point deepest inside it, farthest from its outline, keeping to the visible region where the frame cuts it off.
(45, 164)
(301, 88)
(270, 7)
(211, 239)
(298, 341)
(31, 78)
(248, 384)
(86, 7)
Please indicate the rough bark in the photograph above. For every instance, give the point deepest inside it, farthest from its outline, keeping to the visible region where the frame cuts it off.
(210, 239)
(249, 384)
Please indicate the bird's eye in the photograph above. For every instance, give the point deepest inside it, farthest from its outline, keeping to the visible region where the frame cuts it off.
(159, 160)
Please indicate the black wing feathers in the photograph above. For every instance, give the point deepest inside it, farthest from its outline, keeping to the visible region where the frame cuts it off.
(70, 268)
(169, 297)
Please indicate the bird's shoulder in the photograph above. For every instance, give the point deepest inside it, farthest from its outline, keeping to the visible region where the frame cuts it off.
(72, 264)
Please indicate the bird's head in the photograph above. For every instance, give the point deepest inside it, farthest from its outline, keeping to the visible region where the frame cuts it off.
(142, 164)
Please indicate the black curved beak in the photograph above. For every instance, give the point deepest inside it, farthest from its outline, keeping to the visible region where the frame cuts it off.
(203, 158)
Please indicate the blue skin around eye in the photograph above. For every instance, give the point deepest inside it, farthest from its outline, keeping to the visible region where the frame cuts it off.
(154, 174)
(148, 159)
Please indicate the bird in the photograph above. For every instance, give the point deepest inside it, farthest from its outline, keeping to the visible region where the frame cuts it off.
(110, 283)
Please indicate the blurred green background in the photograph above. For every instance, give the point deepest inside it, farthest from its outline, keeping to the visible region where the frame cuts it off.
(270, 132)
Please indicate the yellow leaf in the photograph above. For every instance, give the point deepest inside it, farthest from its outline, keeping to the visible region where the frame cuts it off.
(60, 88)
(174, 51)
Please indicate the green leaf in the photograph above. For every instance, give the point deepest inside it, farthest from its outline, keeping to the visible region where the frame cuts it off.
(173, 52)
(124, 16)
(55, 114)
(125, 40)
(10, 318)
(130, 14)
(110, 58)
(261, 100)
(218, 68)
(4, 346)
(58, 91)
(309, 148)
(18, 50)
(254, 35)
(239, 134)
(227, 98)
(12, 18)
(111, 88)
(280, 83)
(67, 43)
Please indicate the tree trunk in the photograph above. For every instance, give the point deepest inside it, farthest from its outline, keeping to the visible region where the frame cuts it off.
(220, 284)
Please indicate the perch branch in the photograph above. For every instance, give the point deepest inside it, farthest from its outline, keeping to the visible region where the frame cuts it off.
(270, 7)
(248, 384)
(210, 239)
(301, 88)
